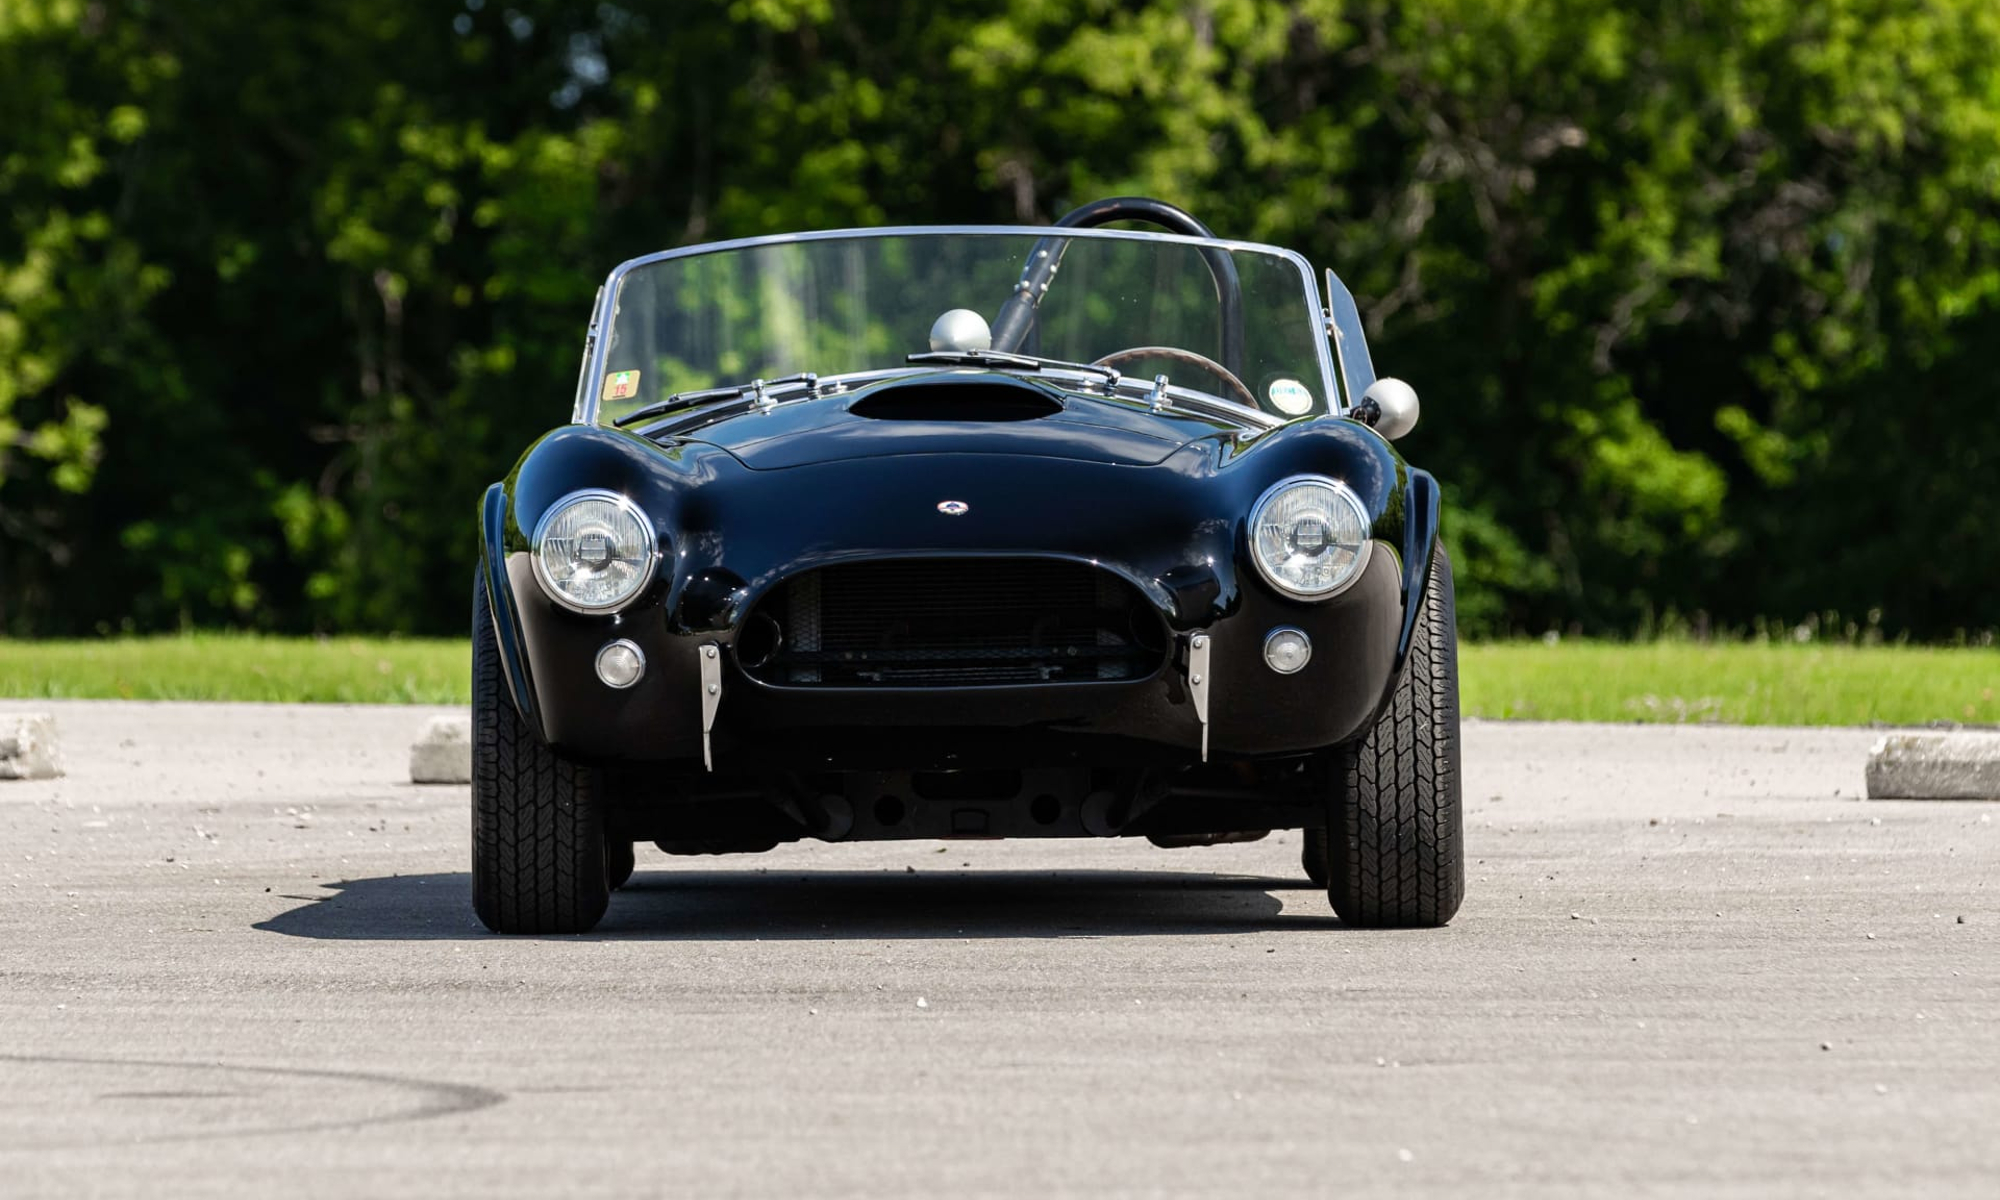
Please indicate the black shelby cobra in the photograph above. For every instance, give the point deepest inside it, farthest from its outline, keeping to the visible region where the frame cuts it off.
(829, 552)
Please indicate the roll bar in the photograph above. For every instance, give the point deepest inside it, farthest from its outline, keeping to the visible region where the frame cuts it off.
(1016, 318)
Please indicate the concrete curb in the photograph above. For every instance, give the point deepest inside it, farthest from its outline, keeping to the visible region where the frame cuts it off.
(1935, 766)
(29, 748)
(442, 752)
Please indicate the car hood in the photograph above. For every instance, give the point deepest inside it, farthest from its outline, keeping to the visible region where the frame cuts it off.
(952, 412)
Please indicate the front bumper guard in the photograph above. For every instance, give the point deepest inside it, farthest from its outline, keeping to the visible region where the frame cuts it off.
(711, 701)
(1198, 683)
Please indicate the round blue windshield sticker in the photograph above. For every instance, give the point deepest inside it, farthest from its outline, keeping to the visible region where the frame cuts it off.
(1290, 397)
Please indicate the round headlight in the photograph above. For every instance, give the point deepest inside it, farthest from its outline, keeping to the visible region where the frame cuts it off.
(594, 550)
(1309, 537)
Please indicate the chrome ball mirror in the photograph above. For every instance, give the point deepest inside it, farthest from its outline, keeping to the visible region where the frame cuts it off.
(961, 329)
(1395, 404)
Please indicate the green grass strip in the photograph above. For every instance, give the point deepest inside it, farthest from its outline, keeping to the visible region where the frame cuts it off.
(1663, 682)
(223, 666)
(1732, 684)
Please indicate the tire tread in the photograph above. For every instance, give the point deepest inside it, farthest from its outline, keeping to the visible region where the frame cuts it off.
(1395, 838)
(537, 824)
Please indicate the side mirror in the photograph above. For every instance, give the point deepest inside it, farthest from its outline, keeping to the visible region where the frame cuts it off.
(1390, 405)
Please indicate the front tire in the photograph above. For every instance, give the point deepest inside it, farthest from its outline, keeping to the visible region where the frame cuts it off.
(538, 849)
(1394, 843)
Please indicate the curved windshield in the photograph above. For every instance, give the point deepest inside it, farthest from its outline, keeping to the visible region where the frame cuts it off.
(1236, 323)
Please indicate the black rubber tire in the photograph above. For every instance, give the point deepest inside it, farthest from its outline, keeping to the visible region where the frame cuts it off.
(1395, 831)
(538, 852)
(621, 858)
(1312, 856)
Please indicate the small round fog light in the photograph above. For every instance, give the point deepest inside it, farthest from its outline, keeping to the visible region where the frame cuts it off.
(1287, 651)
(620, 664)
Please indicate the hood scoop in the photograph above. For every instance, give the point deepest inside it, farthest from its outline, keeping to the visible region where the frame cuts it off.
(952, 413)
(959, 400)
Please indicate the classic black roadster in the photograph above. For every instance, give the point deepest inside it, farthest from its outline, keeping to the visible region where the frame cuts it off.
(827, 551)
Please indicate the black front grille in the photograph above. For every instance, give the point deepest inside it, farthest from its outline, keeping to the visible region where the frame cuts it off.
(952, 623)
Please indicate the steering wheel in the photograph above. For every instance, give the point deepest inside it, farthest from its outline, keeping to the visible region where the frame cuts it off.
(1189, 357)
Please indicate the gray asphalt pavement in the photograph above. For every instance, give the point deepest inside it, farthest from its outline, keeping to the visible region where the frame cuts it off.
(237, 958)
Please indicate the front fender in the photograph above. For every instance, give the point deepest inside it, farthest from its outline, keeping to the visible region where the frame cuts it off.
(1406, 506)
(548, 649)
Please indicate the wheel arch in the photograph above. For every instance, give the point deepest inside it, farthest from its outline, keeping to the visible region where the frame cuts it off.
(1422, 508)
(500, 605)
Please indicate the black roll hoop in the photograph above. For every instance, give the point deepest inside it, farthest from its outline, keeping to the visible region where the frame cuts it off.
(1017, 316)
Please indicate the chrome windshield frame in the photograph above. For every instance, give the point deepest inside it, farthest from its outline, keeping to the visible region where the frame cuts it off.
(607, 299)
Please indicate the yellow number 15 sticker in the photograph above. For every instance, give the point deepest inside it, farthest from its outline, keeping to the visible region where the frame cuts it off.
(621, 385)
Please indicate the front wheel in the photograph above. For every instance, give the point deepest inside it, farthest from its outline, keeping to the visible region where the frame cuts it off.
(1394, 844)
(538, 850)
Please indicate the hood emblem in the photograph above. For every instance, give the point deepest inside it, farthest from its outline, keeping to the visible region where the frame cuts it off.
(954, 508)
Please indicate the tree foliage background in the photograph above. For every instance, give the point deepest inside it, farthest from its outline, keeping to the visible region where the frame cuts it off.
(1702, 296)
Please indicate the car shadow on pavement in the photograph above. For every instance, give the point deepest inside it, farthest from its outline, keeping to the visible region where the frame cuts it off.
(680, 905)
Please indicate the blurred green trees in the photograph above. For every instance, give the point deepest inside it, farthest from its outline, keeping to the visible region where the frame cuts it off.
(1700, 294)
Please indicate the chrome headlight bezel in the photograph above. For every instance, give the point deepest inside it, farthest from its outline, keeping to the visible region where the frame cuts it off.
(1342, 494)
(650, 539)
